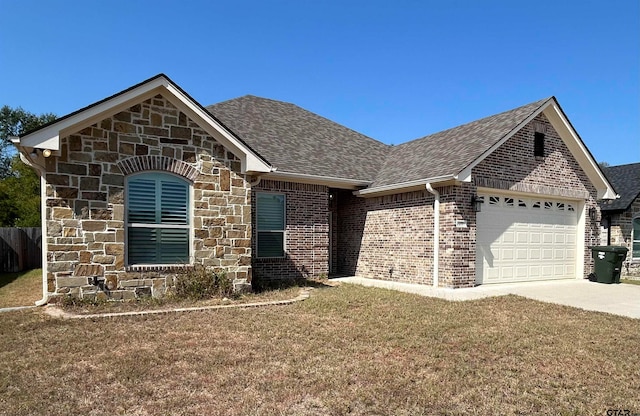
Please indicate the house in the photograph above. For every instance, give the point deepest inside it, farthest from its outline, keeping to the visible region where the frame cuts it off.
(621, 217)
(148, 181)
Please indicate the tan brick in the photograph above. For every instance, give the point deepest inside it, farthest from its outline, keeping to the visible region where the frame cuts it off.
(60, 213)
(114, 249)
(94, 225)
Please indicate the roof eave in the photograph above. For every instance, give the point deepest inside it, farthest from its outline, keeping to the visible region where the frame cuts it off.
(48, 137)
(554, 113)
(330, 181)
(406, 186)
(585, 159)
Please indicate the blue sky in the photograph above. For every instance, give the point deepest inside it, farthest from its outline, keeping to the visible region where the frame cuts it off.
(393, 70)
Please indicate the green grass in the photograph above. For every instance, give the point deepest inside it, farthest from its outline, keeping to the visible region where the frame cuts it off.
(630, 281)
(20, 289)
(347, 350)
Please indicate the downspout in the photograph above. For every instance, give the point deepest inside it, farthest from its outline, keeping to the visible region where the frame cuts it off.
(43, 241)
(43, 225)
(436, 232)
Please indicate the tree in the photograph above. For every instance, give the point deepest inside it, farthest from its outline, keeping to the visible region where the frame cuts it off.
(19, 184)
(604, 164)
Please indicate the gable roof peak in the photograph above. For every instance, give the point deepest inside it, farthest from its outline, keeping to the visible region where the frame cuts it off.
(451, 151)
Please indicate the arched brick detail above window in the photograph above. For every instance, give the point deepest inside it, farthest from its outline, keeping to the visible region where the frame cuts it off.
(160, 163)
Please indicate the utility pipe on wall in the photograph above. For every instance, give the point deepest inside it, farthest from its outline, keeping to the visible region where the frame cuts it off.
(436, 232)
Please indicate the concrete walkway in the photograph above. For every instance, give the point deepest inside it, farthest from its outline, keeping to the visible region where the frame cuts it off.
(618, 299)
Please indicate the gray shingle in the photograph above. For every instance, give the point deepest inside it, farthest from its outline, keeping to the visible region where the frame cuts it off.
(450, 151)
(298, 141)
(626, 181)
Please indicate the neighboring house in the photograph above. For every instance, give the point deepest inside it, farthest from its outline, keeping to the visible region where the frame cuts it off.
(621, 217)
(148, 181)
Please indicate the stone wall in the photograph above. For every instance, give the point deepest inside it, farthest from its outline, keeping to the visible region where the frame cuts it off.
(307, 232)
(85, 211)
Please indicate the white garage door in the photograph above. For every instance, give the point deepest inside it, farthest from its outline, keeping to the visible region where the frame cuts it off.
(524, 239)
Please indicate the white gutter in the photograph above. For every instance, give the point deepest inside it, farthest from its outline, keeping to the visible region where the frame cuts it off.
(400, 187)
(43, 221)
(436, 232)
(43, 240)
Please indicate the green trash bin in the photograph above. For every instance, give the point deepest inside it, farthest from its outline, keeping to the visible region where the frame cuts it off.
(608, 262)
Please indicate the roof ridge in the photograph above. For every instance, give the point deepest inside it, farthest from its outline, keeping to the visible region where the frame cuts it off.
(480, 119)
(464, 144)
(623, 165)
(307, 111)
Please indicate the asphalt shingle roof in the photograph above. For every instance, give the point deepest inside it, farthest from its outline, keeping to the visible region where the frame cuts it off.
(298, 141)
(626, 181)
(450, 151)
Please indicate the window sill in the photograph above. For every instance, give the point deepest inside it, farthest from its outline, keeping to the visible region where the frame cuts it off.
(158, 267)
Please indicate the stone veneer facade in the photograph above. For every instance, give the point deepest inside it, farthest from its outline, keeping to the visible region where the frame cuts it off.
(385, 237)
(85, 201)
(306, 236)
(391, 237)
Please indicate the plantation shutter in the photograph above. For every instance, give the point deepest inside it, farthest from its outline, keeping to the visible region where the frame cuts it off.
(270, 212)
(271, 224)
(158, 219)
(635, 247)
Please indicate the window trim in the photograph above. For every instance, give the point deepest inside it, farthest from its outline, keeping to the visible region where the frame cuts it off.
(283, 231)
(188, 226)
(634, 238)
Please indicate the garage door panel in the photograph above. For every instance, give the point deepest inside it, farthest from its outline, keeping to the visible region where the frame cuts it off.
(508, 237)
(518, 242)
(508, 254)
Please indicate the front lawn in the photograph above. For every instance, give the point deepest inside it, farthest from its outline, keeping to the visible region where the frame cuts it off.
(20, 289)
(346, 350)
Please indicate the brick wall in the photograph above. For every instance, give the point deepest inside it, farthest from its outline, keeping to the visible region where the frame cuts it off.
(85, 200)
(621, 230)
(391, 237)
(513, 166)
(457, 266)
(388, 237)
(307, 232)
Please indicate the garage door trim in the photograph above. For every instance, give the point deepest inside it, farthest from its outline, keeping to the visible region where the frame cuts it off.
(562, 218)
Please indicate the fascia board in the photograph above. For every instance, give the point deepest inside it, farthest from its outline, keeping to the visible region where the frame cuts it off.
(584, 158)
(404, 187)
(466, 172)
(48, 137)
(250, 162)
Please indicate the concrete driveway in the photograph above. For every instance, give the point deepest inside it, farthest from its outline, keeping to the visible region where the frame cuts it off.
(617, 299)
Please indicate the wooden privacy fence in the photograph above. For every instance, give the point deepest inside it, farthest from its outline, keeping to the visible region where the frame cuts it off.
(20, 249)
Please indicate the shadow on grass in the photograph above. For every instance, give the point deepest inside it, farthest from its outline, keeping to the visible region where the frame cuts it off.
(264, 285)
(6, 278)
